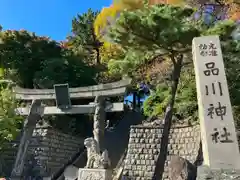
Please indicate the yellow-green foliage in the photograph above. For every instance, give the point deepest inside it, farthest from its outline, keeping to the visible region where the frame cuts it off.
(108, 15)
(110, 51)
(130, 4)
(104, 17)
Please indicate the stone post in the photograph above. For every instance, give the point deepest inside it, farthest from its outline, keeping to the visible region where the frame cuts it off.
(99, 121)
(218, 134)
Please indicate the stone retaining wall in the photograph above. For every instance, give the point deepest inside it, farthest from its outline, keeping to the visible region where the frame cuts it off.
(7, 158)
(144, 148)
(49, 150)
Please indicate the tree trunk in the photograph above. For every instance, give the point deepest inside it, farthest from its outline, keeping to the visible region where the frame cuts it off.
(177, 66)
(134, 100)
(98, 56)
(97, 45)
(175, 80)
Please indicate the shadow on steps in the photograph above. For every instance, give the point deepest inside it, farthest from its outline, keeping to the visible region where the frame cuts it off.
(116, 142)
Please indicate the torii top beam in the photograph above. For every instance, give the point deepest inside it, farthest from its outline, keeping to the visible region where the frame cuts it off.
(109, 89)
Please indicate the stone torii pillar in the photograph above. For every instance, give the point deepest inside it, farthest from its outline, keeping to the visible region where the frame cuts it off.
(30, 123)
(99, 121)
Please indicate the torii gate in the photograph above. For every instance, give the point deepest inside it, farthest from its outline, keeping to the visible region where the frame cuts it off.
(63, 95)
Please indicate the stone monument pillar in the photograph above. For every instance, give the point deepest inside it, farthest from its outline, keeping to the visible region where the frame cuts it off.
(218, 134)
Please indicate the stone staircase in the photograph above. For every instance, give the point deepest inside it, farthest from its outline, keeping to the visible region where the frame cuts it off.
(116, 142)
(117, 172)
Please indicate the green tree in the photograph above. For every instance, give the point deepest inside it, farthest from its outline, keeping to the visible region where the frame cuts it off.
(186, 107)
(38, 62)
(68, 69)
(85, 42)
(157, 31)
(23, 52)
(167, 31)
(10, 123)
(83, 38)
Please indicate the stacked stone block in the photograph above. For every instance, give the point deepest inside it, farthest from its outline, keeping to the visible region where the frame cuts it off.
(184, 142)
(7, 158)
(144, 148)
(52, 149)
(48, 151)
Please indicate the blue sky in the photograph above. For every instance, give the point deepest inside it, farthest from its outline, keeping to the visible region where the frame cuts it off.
(45, 17)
